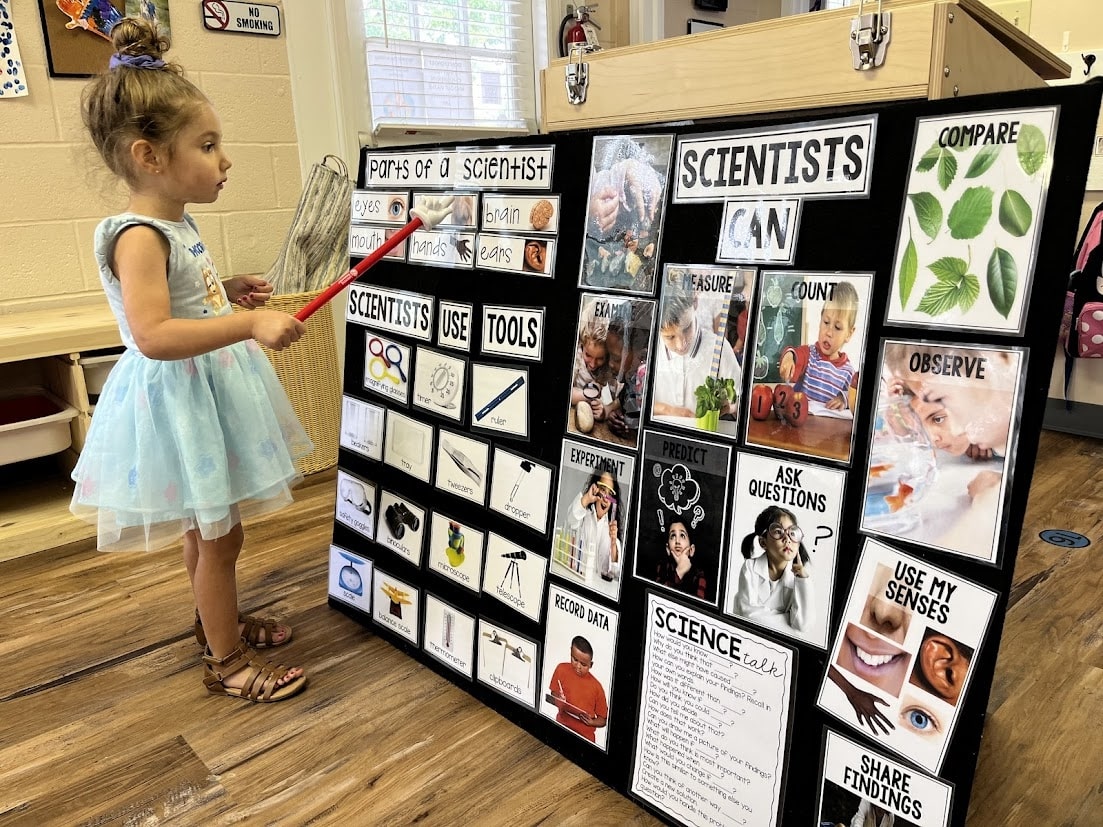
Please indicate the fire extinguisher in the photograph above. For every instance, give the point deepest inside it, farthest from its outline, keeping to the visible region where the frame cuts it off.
(577, 27)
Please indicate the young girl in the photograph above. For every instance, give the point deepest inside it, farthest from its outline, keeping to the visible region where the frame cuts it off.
(775, 578)
(677, 569)
(593, 520)
(193, 431)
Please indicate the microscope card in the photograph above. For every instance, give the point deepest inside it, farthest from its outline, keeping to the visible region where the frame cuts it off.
(500, 399)
(456, 551)
(402, 527)
(515, 575)
(904, 651)
(449, 635)
(682, 514)
(462, 463)
(783, 545)
(362, 427)
(580, 645)
(356, 503)
(439, 383)
(395, 605)
(408, 445)
(507, 662)
(520, 488)
(591, 517)
(350, 578)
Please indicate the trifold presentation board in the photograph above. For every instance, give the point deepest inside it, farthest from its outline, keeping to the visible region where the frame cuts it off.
(701, 450)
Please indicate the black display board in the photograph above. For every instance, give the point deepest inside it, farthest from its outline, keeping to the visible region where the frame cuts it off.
(854, 235)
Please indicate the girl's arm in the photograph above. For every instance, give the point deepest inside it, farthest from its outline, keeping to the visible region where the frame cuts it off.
(141, 265)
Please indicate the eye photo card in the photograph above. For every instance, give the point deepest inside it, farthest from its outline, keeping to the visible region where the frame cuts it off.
(507, 662)
(904, 652)
(592, 517)
(356, 503)
(408, 445)
(697, 363)
(625, 212)
(402, 528)
(809, 344)
(456, 550)
(609, 368)
(942, 444)
(462, 464)
(362, 427)
(783, 545)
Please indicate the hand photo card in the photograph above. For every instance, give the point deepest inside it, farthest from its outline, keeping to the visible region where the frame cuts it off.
(783, 545)
(591, 517)
(625, 211)
(402, 528)
(941, 445)
(809, 343)
(356, 503)
(682, 513)
(350, 578)
(507, 662)
(396, 605)
(862, 786)
(580, 644)
(362, 427)
(408, 445)
(440, 381)
(970, 224)
(449, 635)
(609, 378)
(515, 575)
(697, 365)
(904, 651)
(462, 464)
(520, 488)
(456, 551)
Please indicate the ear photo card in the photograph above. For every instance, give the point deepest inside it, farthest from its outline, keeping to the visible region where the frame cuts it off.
(809, 343)
(696, 366)
(941, 445)
(784, 545)
(904, 653)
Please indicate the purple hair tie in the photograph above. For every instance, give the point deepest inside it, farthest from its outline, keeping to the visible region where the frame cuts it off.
(135, 61)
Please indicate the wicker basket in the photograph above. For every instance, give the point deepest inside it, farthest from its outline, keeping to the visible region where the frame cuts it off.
(310, 375)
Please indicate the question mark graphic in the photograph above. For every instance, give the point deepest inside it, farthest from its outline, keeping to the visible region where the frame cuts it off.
(830, 533)
(698, 515)
(662, 522)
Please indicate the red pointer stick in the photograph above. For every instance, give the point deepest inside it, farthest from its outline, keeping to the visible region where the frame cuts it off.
(427, 217)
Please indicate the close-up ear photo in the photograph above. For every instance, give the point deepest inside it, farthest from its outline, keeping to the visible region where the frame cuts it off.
(941, 666)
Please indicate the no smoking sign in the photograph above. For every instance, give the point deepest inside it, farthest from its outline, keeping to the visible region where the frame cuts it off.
(246, 18)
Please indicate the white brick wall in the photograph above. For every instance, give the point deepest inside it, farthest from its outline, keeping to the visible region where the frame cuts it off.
(54, 189)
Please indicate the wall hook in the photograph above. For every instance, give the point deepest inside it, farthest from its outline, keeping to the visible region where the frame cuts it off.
(1089, 61)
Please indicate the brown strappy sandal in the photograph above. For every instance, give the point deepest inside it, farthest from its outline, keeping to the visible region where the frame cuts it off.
(254, 626)
(262, 676)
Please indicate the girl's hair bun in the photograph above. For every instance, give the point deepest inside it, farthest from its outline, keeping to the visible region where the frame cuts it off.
(138, 36)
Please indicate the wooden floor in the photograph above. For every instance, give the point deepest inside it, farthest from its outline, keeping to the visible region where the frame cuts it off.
(104, 721)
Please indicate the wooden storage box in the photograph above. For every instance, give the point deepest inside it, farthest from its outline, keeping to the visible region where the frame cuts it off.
(936, 50)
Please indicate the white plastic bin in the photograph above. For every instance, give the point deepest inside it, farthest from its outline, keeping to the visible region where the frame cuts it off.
(33, 423)
(96, 367)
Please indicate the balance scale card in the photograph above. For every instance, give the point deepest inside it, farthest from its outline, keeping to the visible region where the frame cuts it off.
(449, 635)
(396, 605)
(903, 655)
(861, 786)
(520, 488)
(356, 503)
(362, 427)
(515, 575)
(507, 662)
(439, 383)
(591, 517)
(783, 546)
(408, 445)
(580, 645)
(350, 578)
(714, 713)
(402, 527)
(970, 225)
(462, 464)
(456, 551)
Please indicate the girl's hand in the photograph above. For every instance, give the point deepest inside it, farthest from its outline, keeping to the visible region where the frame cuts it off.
(799, 569)
(613, 536)
(276, 330)
(248, 291)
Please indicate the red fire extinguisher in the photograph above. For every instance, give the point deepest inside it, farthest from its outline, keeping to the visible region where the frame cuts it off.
(578, 28)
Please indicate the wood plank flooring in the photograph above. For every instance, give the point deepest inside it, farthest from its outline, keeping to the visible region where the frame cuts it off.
(104, 721)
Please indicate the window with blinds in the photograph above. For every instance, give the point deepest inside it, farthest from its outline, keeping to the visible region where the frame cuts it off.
(449, 65)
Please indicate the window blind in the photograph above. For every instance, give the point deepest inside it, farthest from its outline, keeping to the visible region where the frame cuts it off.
(449, 65)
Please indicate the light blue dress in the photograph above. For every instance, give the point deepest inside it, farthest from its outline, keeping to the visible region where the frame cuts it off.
(198, 443)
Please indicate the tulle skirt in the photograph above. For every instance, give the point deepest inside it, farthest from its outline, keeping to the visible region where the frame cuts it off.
(198, 443)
